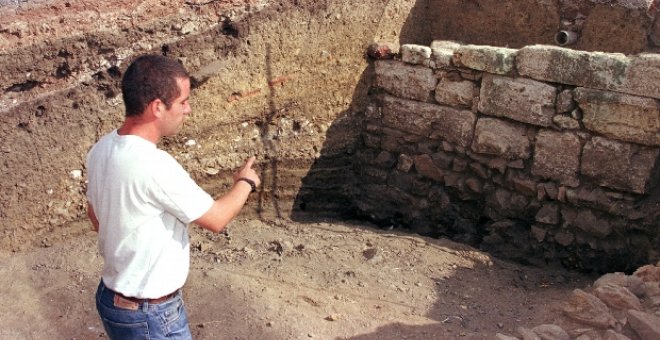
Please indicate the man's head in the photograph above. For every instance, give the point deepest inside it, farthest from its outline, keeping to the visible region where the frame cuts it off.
(148, 78)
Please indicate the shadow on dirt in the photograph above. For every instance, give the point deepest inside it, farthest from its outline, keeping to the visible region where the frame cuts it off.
(475, 312)
(326, 190)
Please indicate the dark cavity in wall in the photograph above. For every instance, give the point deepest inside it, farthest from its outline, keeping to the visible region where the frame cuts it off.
(22, 87)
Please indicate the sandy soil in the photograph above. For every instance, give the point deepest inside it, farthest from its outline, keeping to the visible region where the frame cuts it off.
(288, 280)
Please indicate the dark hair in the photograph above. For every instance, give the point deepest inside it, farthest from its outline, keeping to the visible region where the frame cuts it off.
(151, 77)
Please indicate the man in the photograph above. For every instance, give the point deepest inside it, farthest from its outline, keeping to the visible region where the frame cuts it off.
(140, 202)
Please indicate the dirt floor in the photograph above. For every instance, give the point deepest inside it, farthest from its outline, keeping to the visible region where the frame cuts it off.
(289, 280)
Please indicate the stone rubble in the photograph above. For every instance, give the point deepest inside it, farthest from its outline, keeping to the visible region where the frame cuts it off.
(621, 307)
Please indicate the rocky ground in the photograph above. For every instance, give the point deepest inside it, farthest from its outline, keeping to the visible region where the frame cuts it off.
(320, 280)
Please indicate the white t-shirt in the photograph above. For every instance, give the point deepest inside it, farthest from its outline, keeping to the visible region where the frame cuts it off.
(143, 200)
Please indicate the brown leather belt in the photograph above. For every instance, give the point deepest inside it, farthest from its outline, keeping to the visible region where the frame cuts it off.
(150, 301)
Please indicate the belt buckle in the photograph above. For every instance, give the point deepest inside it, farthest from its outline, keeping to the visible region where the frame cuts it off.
(123, 303)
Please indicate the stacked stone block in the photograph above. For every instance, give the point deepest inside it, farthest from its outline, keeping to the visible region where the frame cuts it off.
(539, 154)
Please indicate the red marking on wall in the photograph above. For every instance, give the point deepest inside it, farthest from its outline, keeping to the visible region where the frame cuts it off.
(275, 82)
(279, 81)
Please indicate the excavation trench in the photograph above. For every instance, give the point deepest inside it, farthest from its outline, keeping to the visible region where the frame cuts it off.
(460, 127)
(501, 148)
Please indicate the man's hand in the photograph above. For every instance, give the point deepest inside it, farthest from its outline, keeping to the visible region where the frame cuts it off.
(229, 205)
(247, 172)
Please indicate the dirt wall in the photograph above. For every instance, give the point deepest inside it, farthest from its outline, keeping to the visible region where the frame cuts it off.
(624, 26)
(270, 79)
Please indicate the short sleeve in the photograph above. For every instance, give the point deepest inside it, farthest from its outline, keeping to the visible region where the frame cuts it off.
(177, 192)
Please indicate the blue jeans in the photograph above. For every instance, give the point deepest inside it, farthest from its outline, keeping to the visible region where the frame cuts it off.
(121, 320)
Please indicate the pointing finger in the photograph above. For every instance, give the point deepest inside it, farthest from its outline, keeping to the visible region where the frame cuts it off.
(250, 161)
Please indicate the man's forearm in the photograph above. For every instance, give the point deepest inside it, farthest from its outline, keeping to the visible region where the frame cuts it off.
(225, 208)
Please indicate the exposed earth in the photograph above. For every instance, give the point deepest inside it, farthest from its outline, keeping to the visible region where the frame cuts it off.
(262, 279)
(290, 280)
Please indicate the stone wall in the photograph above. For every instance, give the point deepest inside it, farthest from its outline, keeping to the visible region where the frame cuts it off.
(538, 154)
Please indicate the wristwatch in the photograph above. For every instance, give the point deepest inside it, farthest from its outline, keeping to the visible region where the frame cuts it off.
(250, 182)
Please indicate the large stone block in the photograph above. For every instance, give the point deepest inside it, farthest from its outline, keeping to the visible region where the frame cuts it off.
(500, 138)
(456, 93)
(416, 54)
(520, 99)
(557, 157)
(442, 52)
(421, 119)
(619, 165)
(567, 66)
(454, 126)
(491, 59)
(638, 75)
(403, 80)
(643, 76)
(624, 117)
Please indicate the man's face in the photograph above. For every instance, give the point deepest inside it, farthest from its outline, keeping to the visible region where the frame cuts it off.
(174, 117)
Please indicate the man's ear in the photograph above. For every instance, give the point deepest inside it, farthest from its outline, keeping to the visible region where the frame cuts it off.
(155, 108)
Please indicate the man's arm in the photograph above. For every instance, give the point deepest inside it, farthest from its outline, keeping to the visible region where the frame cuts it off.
(229, 205)
(92, 217)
